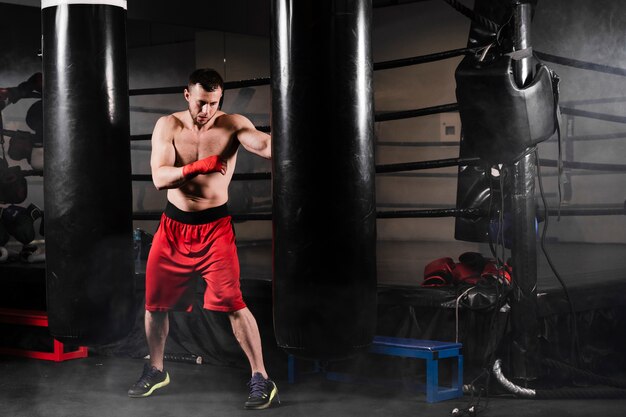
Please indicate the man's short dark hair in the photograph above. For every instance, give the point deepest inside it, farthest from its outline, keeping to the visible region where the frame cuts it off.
(208, 78)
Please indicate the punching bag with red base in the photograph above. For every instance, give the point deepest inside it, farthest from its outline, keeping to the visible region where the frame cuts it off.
(87, 172)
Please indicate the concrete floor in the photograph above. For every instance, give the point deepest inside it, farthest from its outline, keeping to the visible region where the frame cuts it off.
(96, 387)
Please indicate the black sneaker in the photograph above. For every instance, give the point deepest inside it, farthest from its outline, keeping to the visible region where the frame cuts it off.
(151, 379)
(262, 393)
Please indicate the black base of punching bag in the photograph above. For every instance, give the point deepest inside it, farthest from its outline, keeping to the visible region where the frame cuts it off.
(324, 212)
(87, 188)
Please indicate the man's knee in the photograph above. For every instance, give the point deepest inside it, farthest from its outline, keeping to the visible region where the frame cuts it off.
(237, 314)
(156, 317)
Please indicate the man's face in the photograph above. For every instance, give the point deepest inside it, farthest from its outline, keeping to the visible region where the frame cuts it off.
(202, 104)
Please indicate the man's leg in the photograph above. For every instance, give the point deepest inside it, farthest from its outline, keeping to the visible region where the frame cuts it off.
(153, 376)
(157, 327)
(263, 391)
(247, 334)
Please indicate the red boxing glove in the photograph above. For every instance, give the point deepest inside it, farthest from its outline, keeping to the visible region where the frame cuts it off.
(213, 163)
(438, 273)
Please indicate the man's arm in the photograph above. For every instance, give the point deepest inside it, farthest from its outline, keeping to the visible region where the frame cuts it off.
(253, 140)
(165, 174)
(163, 157)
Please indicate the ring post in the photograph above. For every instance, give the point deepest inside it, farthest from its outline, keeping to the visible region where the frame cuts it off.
(525, 331)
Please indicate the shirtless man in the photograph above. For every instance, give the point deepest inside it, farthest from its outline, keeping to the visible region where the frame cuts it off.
(193, 157)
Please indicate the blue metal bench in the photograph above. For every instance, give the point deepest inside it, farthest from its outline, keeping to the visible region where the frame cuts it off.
(430, 350)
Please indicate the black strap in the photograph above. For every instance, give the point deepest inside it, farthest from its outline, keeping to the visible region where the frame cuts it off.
(521, 54)
(555, 90)
(474, 17)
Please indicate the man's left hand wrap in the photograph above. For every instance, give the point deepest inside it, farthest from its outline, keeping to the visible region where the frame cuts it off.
(206, 165)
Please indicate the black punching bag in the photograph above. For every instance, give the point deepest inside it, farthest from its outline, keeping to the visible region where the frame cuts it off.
(324, 212)
(87, 187)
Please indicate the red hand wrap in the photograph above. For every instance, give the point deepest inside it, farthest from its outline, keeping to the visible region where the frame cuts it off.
(206, 165)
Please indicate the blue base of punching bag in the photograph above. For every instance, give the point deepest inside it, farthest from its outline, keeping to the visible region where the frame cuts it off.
(324, 211)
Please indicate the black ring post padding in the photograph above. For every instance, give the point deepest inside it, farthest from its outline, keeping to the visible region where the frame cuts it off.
(580, 64)
(406, 114)
(423, 59)
(593, 115)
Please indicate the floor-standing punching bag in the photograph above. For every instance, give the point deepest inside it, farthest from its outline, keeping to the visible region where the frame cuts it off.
(87, 173)
(324, 212)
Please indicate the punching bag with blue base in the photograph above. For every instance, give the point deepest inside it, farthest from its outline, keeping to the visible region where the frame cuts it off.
(323, 171)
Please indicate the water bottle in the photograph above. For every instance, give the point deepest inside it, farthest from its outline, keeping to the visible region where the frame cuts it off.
(137, 249)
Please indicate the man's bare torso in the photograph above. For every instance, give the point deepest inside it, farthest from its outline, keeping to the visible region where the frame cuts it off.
(215, 138)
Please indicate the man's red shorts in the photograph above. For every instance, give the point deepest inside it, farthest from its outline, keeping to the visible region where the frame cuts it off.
(185, 246)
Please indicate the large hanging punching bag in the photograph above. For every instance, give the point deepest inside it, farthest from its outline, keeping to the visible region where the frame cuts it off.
(324, 212)
(87, 188)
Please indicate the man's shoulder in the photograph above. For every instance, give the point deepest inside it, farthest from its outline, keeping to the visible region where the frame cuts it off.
(230, 120)
(172, 121)
(175, 118)
(167, 127)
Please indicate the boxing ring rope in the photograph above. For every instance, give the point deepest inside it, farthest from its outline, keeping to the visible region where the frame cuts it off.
(411, 113)
(450, 107)
(228, 85)
(430, 144)
(593, 115)
(429, 213)
(432, 164)
(607, 69)
(611, 100)
(404, 114)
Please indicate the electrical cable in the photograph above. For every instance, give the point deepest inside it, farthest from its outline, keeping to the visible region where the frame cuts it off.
(575, 340)
(456, 309)
(574, 393)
